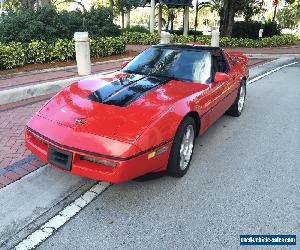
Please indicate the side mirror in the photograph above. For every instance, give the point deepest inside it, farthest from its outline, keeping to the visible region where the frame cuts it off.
(221, 77)
(123, 65)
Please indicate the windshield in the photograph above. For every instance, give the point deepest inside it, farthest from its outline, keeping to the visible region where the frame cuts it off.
(184, 65)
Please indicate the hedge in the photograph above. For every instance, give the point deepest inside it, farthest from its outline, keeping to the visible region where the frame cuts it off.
(274, 41)
(49, 24)
(251, 29)
(38, 51)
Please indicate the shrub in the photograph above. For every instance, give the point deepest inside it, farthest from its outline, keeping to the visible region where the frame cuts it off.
(107, 46)
(246, 29)
(62, 50)
(274, 41)
(181, 39)
(38, 52)
(146, 39)
(141, 38)
(15, 54)
(99, 22)
(251, 29)
(191, 32)
(271, 29)
(48, 24)
(11, 55)
(136, 28)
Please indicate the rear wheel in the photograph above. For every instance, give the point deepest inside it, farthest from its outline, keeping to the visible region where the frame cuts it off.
(237, 107)
(182, 148)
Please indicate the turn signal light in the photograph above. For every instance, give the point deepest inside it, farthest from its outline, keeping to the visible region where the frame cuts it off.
(99, 161)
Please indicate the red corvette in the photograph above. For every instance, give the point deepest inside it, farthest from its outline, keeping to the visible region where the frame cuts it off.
(142, 119)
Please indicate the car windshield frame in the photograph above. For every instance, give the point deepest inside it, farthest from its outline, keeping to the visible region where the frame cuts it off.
(188, 65)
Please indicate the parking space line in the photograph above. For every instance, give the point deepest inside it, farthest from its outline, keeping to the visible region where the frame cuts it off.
(52, 225)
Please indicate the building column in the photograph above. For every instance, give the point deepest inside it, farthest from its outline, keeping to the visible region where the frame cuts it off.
(159, 18)
(152, 16)
(186, 21)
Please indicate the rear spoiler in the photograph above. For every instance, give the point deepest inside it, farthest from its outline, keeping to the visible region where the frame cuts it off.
(239, 56)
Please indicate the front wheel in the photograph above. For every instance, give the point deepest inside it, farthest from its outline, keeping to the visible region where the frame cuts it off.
(182, 148)
(238, 105)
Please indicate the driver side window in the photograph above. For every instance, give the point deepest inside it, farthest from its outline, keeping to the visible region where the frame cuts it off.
(220, 63)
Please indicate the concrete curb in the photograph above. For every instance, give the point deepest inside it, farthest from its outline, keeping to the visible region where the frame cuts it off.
(266, 67)
(22, 93)
(266, 56)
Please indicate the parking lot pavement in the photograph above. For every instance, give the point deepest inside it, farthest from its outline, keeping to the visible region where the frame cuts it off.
(243, 179)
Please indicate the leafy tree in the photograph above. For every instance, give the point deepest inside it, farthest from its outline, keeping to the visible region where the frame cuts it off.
(251, 8)
(231, 7)
(124, 6)
(289, 16)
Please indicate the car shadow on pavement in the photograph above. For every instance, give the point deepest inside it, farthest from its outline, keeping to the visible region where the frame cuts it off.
(150, 176)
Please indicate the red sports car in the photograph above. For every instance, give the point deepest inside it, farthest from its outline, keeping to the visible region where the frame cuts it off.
(142, 119)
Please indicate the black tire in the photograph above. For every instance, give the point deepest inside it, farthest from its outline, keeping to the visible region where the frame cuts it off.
(174, 168)
(234, 109)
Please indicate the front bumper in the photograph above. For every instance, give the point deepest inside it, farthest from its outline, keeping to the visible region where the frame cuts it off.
(125, 169)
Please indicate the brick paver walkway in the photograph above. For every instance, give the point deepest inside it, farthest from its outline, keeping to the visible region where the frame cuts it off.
(15, 160)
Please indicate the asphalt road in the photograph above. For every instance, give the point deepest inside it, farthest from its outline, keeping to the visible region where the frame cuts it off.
(244, 179)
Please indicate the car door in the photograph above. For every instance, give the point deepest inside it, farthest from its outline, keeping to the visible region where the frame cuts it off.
(218, 91)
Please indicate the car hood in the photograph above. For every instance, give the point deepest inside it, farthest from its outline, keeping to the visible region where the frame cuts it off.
(119, 106)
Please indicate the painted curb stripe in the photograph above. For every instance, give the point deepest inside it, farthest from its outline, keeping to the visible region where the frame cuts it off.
(62, 217)
(17, 164)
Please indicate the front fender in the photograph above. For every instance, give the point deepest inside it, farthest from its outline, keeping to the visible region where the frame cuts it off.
(164, 129)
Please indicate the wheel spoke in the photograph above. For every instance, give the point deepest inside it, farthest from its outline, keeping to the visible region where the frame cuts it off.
(186, 147)
(241, 100)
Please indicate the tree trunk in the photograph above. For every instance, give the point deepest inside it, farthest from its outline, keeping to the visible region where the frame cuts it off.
(228, 18)
(172, 17)
(172, 24)
(111, 7)
(122, 18)
(128, 19)
(28, 4)
(43, 3)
